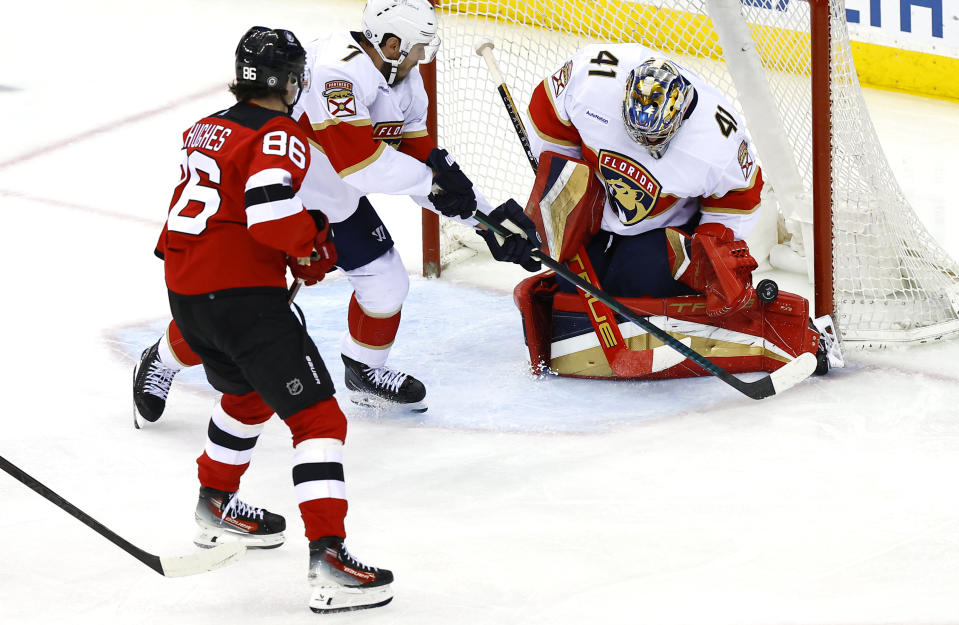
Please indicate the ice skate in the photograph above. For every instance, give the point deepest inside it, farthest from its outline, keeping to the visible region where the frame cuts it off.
(341, 583)
(381, 387)
(151, 385)
(223, 517)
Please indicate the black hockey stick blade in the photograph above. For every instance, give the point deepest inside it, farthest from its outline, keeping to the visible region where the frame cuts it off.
(168, 566)
(790, 374)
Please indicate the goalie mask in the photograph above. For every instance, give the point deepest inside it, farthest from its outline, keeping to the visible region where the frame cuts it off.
(413, 22)
(657, 97)
(268, 58)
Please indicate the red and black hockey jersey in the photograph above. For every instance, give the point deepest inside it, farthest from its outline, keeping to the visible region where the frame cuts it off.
(234, 216)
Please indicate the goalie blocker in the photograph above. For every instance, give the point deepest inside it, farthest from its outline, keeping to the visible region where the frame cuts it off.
(569, 335)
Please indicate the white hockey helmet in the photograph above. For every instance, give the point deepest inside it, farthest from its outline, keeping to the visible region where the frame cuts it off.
(412, 21)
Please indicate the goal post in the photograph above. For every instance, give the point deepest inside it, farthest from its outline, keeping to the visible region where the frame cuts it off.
(837, 213)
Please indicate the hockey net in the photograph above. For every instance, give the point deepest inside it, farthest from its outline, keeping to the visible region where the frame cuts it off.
(890, 280)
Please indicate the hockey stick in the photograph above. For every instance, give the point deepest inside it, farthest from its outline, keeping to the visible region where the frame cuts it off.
(168, 566)
(294, 289)
(485, 50)
(793, 372)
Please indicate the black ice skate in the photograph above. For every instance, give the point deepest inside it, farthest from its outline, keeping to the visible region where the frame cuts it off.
(342, 583)
(151, 385)
(382, 386)
(223, 517)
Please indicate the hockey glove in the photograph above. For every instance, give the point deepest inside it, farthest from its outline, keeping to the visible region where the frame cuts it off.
(516, 247)
(452, 193)
(313, 268)
(715, 263)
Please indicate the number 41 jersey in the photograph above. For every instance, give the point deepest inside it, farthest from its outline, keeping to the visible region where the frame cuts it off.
(708, 166)
(234, 216)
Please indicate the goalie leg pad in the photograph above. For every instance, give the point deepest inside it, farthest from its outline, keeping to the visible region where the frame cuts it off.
(534, 299)
(761, 337)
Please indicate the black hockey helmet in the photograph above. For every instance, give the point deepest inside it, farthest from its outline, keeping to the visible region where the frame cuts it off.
(267, 57)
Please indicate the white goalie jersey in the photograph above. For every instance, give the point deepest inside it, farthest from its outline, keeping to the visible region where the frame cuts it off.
(708, 166)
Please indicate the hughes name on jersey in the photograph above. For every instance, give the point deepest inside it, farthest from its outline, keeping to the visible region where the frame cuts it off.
(234, 216)
(707, 167)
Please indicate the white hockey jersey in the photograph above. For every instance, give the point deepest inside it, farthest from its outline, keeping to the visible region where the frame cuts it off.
(365, 135)
(708, 166)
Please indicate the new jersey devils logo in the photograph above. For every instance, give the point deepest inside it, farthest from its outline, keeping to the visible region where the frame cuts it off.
(632, 190)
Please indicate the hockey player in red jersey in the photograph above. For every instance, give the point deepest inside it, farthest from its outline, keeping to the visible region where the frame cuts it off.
(234, 225)
(365, 117)
(674, 189)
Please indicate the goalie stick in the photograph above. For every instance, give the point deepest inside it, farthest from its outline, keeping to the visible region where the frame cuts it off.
(168, 566)
(790, 374)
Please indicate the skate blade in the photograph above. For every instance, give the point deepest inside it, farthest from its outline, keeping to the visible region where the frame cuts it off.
(376, 402)
(207, 538)
(330, 600)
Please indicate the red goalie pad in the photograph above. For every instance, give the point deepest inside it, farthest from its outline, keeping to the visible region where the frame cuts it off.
(566, 204)
(763, 336)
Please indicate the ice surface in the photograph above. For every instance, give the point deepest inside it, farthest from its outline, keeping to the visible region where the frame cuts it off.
(513, 499)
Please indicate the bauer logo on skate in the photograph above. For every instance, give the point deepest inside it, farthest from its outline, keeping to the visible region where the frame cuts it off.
(339, 98)
(632, 190)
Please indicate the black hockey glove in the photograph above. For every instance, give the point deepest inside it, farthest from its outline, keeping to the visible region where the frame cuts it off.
(516, 247)
(452, 192)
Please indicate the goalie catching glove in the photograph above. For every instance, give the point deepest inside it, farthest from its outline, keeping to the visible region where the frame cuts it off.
(516, 247)
(715, 263)
(313, 268)
(452, 193)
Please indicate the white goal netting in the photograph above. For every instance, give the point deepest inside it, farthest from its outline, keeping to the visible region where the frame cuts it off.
(892, 281)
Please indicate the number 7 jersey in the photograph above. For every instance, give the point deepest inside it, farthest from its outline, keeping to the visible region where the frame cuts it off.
(708, 166)
(234, 216)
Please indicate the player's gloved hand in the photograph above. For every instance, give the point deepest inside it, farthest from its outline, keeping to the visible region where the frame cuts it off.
(313, 268)
(452, 193)
(516, 247)
(720, 266)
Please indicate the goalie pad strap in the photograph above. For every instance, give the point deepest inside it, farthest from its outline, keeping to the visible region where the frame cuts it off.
(679, 250)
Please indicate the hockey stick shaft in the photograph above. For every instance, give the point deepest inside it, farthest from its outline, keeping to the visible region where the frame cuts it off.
(486, 51)
(294, 289)
(170, 567)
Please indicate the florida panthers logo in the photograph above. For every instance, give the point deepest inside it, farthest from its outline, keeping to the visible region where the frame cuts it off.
(339, 98)
(632, 191)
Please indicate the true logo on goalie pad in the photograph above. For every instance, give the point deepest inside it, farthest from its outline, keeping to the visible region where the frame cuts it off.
(632, 190)
(339, 98)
